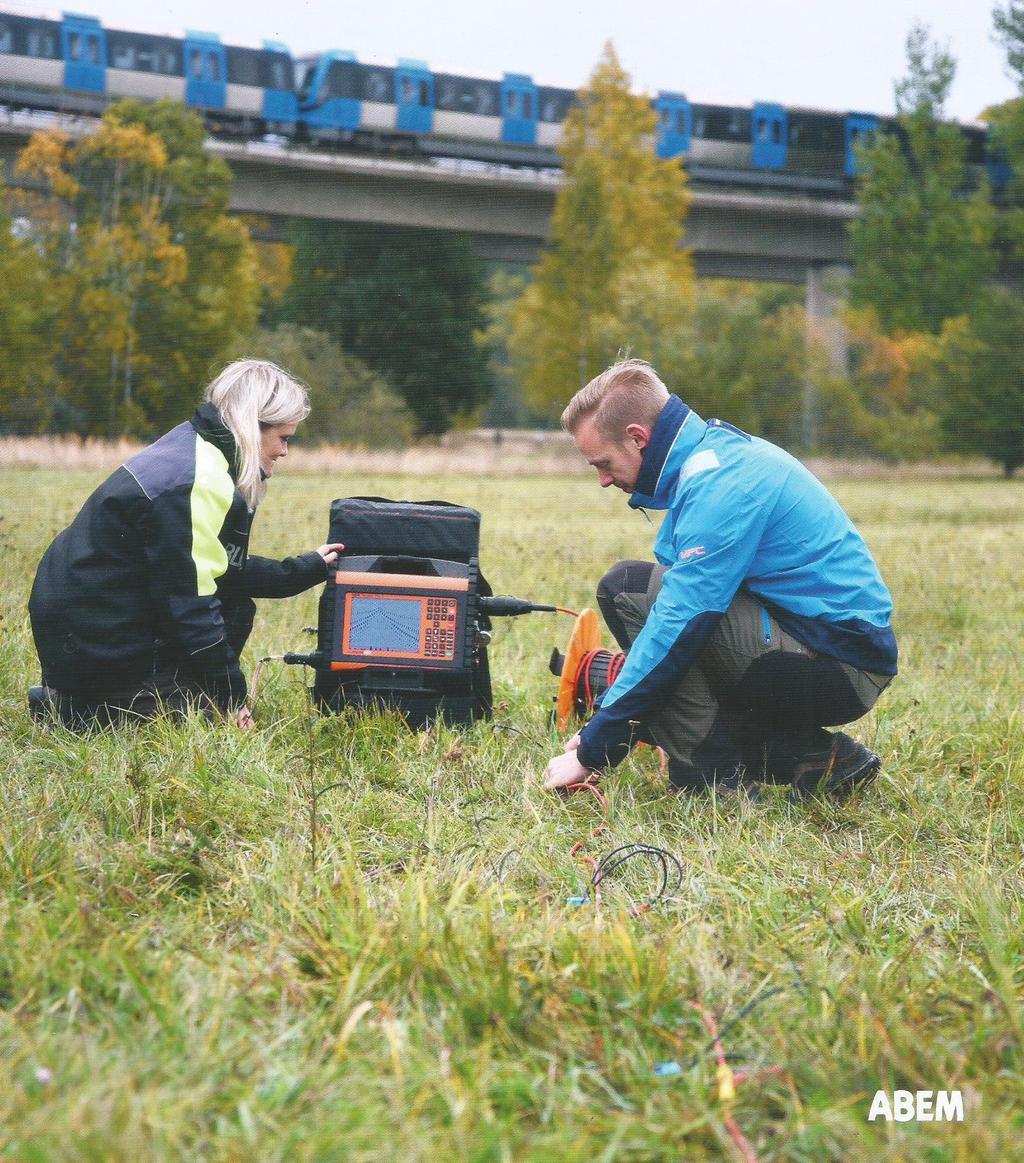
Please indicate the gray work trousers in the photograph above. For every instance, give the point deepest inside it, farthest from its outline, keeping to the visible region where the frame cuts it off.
(756, 700)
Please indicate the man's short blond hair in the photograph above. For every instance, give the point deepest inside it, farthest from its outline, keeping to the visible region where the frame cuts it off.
(629, 392)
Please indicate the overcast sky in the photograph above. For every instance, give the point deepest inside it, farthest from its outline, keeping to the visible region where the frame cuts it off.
(832, 54)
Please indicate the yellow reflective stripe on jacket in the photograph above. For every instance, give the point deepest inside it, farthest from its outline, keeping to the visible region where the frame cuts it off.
(210, 500)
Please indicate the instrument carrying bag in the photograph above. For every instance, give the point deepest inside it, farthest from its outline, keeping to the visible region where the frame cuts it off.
(399, 624)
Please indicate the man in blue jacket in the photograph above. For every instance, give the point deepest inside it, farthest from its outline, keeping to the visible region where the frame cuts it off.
(764, 621)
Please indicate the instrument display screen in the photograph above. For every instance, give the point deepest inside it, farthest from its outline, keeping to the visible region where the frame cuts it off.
(395, 620)
(380, 625)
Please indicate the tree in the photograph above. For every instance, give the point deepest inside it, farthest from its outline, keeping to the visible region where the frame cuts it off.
(985, 400)
(507, 407)
(616, 229)
(1007, 121)
(981, 402)
(151, 278)
(922, 247)
(890, 402)
(739, 351)
(1009, 28)
(189, 329)
(407, 302)
(27, 318)
(350, 404)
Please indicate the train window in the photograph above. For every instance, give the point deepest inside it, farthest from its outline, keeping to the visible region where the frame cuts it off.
(122, 56)
(553, 104)
(214, 67)
(6, 39)
(75, 47)
(484, 104)
(307, 81)
(41, 44)
(244, 67)
(171, 61)
(447, 96)
(196, 64)
(681, 121)
(776, 133)
(512, 103)
(424, 94)
(700, 126)
(406, 91)
(762, 129)
(665, 117)
(794, 135)
(528, 106)
(278, 74)
(377, 87)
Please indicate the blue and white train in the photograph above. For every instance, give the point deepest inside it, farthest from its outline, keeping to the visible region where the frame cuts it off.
(76, 65)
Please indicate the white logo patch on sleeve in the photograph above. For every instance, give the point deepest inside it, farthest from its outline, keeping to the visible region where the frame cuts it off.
(699, 462)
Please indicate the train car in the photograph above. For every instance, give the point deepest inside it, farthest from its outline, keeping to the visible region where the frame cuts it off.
(76, 65)
(31, 62)
(767, 145)
(411, 110)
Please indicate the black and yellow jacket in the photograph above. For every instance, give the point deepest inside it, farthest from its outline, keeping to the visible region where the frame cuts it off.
(154, 573)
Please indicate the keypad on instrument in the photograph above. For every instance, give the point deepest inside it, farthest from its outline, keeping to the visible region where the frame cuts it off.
(440, 628)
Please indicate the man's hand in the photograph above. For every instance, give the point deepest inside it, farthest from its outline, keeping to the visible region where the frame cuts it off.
(244, 720)
(330, 552)
(565, 769)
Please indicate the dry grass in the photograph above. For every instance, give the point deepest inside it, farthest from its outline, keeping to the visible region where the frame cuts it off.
(480, 452)
(470, 454)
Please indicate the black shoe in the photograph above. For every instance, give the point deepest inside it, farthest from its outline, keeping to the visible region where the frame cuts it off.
(845, 766)
(41, 704)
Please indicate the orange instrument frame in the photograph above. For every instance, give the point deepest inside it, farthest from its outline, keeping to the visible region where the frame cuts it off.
(399, 620)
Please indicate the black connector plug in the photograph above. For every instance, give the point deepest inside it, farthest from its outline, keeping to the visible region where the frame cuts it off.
(315, 659)
(505, 607)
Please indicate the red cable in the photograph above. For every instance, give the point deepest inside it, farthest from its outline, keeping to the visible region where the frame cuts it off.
(744, 1147)
(586, 662)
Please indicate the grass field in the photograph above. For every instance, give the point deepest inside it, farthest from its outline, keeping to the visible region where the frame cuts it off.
(177, 981)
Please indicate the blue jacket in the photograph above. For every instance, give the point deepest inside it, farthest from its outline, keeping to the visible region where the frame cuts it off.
(742, 514)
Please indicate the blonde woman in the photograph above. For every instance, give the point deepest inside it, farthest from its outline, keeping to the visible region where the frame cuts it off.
(145, 601)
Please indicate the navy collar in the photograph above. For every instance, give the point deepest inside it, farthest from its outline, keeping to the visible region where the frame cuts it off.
(666, 430)
(210, 425)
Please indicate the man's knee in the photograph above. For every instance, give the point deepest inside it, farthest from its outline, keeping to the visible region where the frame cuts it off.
(625, 577)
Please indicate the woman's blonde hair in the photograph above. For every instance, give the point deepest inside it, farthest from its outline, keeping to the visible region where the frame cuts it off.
(251, 394)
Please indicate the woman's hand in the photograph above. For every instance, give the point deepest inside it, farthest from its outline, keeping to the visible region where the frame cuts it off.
(330, 552)
(244, 720)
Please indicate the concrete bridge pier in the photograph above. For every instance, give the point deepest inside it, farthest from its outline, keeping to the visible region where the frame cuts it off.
(825, 295)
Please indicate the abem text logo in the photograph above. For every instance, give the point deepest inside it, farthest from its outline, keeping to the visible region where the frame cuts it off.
(918, 1106)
